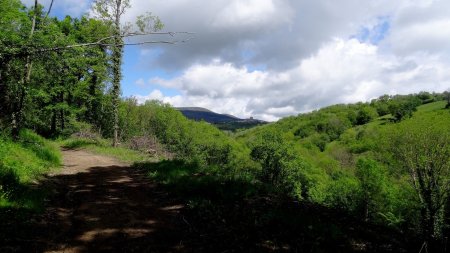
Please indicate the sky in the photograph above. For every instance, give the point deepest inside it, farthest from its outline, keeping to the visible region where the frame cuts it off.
(269, 59)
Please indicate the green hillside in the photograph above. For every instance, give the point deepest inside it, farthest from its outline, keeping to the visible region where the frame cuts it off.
(367, 166)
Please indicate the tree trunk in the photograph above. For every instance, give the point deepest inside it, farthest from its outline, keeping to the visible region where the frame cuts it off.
(366, 210)
(17, 114)
(61, 111)
(117, 63)
(93, 106)
(53, 124)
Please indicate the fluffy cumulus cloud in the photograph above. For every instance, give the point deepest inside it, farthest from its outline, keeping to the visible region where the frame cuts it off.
(342, 71)
(421, 26)
(273, 58)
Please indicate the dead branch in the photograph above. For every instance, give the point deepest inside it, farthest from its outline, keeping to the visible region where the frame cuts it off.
(49, 9)
(101, 42)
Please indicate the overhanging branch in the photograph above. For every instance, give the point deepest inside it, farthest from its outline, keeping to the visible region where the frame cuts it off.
(101, 42)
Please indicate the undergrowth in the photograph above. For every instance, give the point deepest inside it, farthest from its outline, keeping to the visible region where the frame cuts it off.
(220, 206)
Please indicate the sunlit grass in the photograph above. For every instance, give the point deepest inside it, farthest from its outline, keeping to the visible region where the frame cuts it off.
(104, 147)
(22, 163)
(432, 106)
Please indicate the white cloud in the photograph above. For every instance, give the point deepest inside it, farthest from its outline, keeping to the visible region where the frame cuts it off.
(251, 13)
(141, 82)
(342, 71)
(430, 36)
(154, 95)
(217, 80)
(420, 26)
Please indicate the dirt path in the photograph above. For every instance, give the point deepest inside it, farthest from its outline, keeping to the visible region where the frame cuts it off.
(102, 204)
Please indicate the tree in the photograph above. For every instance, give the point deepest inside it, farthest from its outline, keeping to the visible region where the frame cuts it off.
(371, 178)
(111, 11)
(17, 106)
(447, 97)
(402, 107)
(422, 147)
(272, 152)
(46, 100)
(365, 115)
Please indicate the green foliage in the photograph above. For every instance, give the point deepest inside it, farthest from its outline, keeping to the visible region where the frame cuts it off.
(281, 168)
(357, 172)
(372, 181)
(191, 141)
(403, 109)
(320, 141)
(342, 193)
(421, 146)
(149, 23)
(64, 86)
(365, 115)
(188, 179)
(446, 96)
(273, 154)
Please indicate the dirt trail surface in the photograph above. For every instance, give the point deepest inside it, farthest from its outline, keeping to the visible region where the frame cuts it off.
(102, 204)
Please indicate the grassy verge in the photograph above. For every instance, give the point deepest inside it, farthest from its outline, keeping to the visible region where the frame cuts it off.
(103, 147)
(23, 163)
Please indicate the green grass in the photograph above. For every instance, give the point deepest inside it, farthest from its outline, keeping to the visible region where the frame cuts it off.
(22, 163)
(432, 106)
(191, 182)
(103, 147)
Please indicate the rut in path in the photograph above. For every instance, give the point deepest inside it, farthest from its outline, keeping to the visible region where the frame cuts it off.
(104, 205)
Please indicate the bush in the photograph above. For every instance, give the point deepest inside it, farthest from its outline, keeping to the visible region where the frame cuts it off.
(343, 193)
(403, 108)
(320, 141)
(372, 185)
(366, 115)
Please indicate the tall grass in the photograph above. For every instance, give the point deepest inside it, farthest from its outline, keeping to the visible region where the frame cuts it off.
(23, 162)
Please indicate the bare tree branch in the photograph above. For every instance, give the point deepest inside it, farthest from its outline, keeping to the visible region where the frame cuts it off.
(101, 42)
(49, 9)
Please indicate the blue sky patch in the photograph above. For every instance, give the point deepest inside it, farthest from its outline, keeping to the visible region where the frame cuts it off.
(375, 34)
(135, 67)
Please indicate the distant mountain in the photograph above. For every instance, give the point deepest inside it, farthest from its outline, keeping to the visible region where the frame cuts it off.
(194, 109)
(198, 113)
(222, 121)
